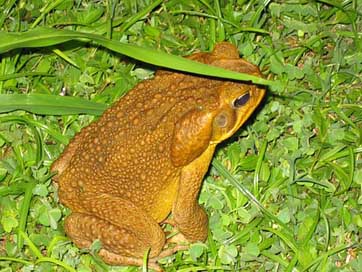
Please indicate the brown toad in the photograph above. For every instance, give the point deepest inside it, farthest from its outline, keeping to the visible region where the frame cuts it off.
(146, 158)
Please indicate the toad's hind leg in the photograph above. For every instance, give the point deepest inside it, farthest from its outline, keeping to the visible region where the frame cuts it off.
(125, 231)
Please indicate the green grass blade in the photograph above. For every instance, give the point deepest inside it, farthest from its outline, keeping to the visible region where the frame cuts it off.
(14, 189)
(43, 37)
(57, 262)
(138, 16)
(16, 260)
(44, 11)
(24, 211)
(49, 104)
(258, 167)
(239, 28)
(23, 120)
(227, 175)
(31, 245)
(328, 186)
(29, 74)
(6, 11)
(39, 37)
(53, 243)
(327, 254)
(288, 239)
(65, 57)
(275, 258)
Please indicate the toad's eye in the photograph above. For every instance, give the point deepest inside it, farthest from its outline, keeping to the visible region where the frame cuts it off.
(241, 100)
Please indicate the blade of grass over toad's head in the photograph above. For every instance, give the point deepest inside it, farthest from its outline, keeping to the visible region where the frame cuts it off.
(49, 104)
(174, 62)
(42, 37)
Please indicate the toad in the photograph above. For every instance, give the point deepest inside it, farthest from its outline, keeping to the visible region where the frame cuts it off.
(146, 156)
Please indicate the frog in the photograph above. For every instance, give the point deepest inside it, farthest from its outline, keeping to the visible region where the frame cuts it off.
(142, 163)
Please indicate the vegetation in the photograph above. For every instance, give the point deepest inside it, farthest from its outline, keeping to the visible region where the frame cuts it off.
(284, 194)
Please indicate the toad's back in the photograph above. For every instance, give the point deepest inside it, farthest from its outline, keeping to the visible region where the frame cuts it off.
(126, 152)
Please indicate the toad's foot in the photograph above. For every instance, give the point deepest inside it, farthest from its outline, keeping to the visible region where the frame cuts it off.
(174, 244)
(115, 259)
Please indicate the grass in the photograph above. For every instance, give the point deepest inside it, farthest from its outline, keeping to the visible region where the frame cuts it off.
(284, 194)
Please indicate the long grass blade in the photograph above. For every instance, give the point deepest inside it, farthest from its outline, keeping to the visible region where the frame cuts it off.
(43, 37)
(49, 104)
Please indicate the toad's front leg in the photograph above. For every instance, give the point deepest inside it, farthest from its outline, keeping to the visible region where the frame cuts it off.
(189, 217)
